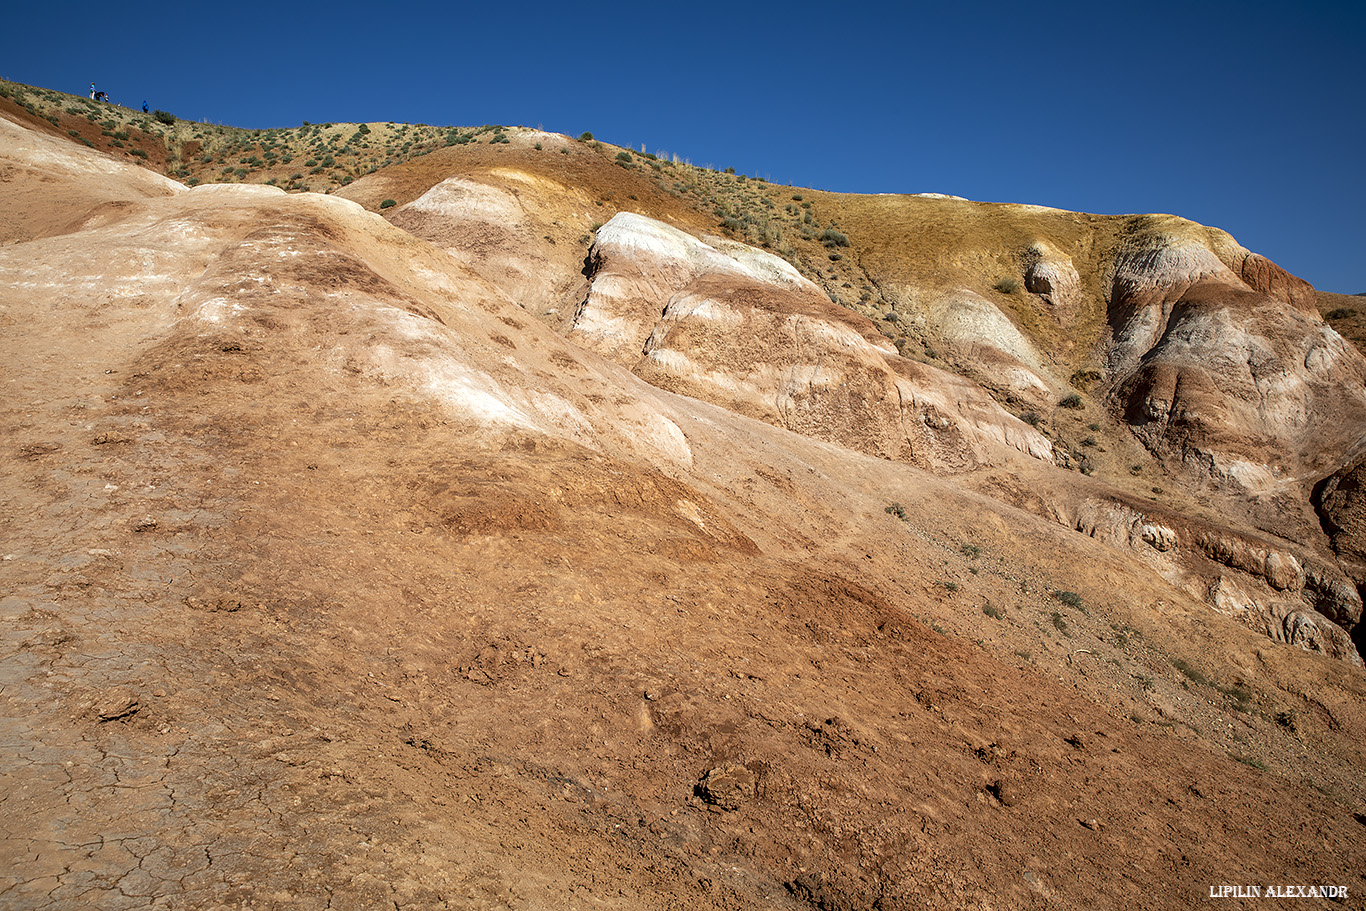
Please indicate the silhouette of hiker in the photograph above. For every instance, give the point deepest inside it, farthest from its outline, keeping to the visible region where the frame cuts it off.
(144, 107)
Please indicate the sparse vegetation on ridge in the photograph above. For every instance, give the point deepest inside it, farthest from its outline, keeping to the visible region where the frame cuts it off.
(336, 153)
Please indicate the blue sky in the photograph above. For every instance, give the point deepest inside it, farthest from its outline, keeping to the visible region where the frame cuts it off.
(1247, 116)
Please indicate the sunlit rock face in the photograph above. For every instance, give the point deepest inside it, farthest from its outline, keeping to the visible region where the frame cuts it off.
(1223, 368)
(741, 328)
(1052, 276)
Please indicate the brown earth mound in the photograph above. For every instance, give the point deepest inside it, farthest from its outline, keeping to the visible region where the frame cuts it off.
(335, 578)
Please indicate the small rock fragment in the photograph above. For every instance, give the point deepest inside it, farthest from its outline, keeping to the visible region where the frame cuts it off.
(727, 786)
(117, 707)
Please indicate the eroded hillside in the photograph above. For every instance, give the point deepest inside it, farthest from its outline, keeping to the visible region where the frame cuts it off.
(545, 544)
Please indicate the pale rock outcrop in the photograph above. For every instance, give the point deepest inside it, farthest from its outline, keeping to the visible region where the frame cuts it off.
(1148, 280)
(1282, 620)
(639, 263)
(1313, 632)
(1288, 597)
(973, 331)
(1228, 379)
(1305, 604)
(501, 226)
(1052, 276)
(741, 328)
(1340, 500)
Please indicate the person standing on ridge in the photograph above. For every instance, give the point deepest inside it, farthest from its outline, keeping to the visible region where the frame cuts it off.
(144, 107)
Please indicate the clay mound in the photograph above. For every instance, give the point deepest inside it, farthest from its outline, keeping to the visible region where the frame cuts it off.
(505, 227)
(1229, 378)
(741, 328)
(54, 187)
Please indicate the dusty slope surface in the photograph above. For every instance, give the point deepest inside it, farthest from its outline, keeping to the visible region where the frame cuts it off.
(1197, 363)
(51, 191)
(334, 579)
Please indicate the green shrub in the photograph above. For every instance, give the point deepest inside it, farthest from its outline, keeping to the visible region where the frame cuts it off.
(991, 611)
(625, 156)
(138, 152)
(387, 203)
(163, 117)
(1241, 696)
(1340, 313)
(585, 136)
(896, 509)
(832, 238)
(1008, 286)
(1071, 599)
(1191, 672)
(1072, 401)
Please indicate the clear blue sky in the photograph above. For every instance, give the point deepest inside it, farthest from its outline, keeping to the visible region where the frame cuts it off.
(1248, 116)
